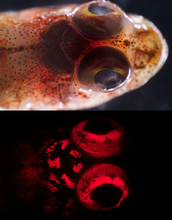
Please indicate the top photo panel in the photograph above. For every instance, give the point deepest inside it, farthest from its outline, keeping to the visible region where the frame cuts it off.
(85, 55)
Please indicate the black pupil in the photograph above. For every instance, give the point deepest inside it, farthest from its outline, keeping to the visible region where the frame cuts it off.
(98, 126)
(98, 9)
(107, 195)
(108, 78)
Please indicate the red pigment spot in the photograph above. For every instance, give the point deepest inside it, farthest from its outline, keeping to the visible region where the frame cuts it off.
(78, 167)
(51, 148)
(64, 143)
(51, 187)
(54, 163)
(68, 182)
(52, 177)
(75, 153)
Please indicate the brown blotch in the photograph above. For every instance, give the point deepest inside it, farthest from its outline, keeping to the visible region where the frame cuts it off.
(126, 42)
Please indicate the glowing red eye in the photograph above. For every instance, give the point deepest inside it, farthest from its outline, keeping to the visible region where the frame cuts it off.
(102, 187)
(98, 137)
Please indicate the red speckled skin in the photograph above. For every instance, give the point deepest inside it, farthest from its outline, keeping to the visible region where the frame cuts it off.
(41, 50)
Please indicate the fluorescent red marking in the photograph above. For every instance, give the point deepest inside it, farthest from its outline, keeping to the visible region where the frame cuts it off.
(98, 175)
(64, 143)
(78, 167)
(75, 153)
(52, 177)
(54, 163)
(51, 187)
(51, 148)
(68, 182)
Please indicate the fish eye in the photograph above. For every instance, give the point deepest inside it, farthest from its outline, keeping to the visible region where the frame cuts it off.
(98, 9)
(103, 69)
(107, 77)
(98, 20)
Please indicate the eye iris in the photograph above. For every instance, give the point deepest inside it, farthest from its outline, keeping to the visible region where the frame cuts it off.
(108, 78)
(103, 69)
(98, 9)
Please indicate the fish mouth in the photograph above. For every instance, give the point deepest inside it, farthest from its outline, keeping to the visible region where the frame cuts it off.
(165, 49)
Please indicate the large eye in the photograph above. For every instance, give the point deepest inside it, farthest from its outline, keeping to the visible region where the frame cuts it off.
(98, 138)
(102, 187)
(103, 69)
(99, 9)
(98, 19)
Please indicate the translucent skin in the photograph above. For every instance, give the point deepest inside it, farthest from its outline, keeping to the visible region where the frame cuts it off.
(41, 50)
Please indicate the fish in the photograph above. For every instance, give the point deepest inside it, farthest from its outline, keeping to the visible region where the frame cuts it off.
(73, 57)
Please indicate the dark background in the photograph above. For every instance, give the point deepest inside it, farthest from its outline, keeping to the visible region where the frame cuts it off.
(156, 94)
(145, 164)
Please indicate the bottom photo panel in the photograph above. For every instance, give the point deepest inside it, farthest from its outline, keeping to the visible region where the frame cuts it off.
(80, 165)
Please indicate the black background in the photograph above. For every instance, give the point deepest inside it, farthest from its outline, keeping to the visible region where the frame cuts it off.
(156, 94)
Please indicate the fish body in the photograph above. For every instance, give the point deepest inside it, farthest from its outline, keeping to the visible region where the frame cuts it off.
(75, 56)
